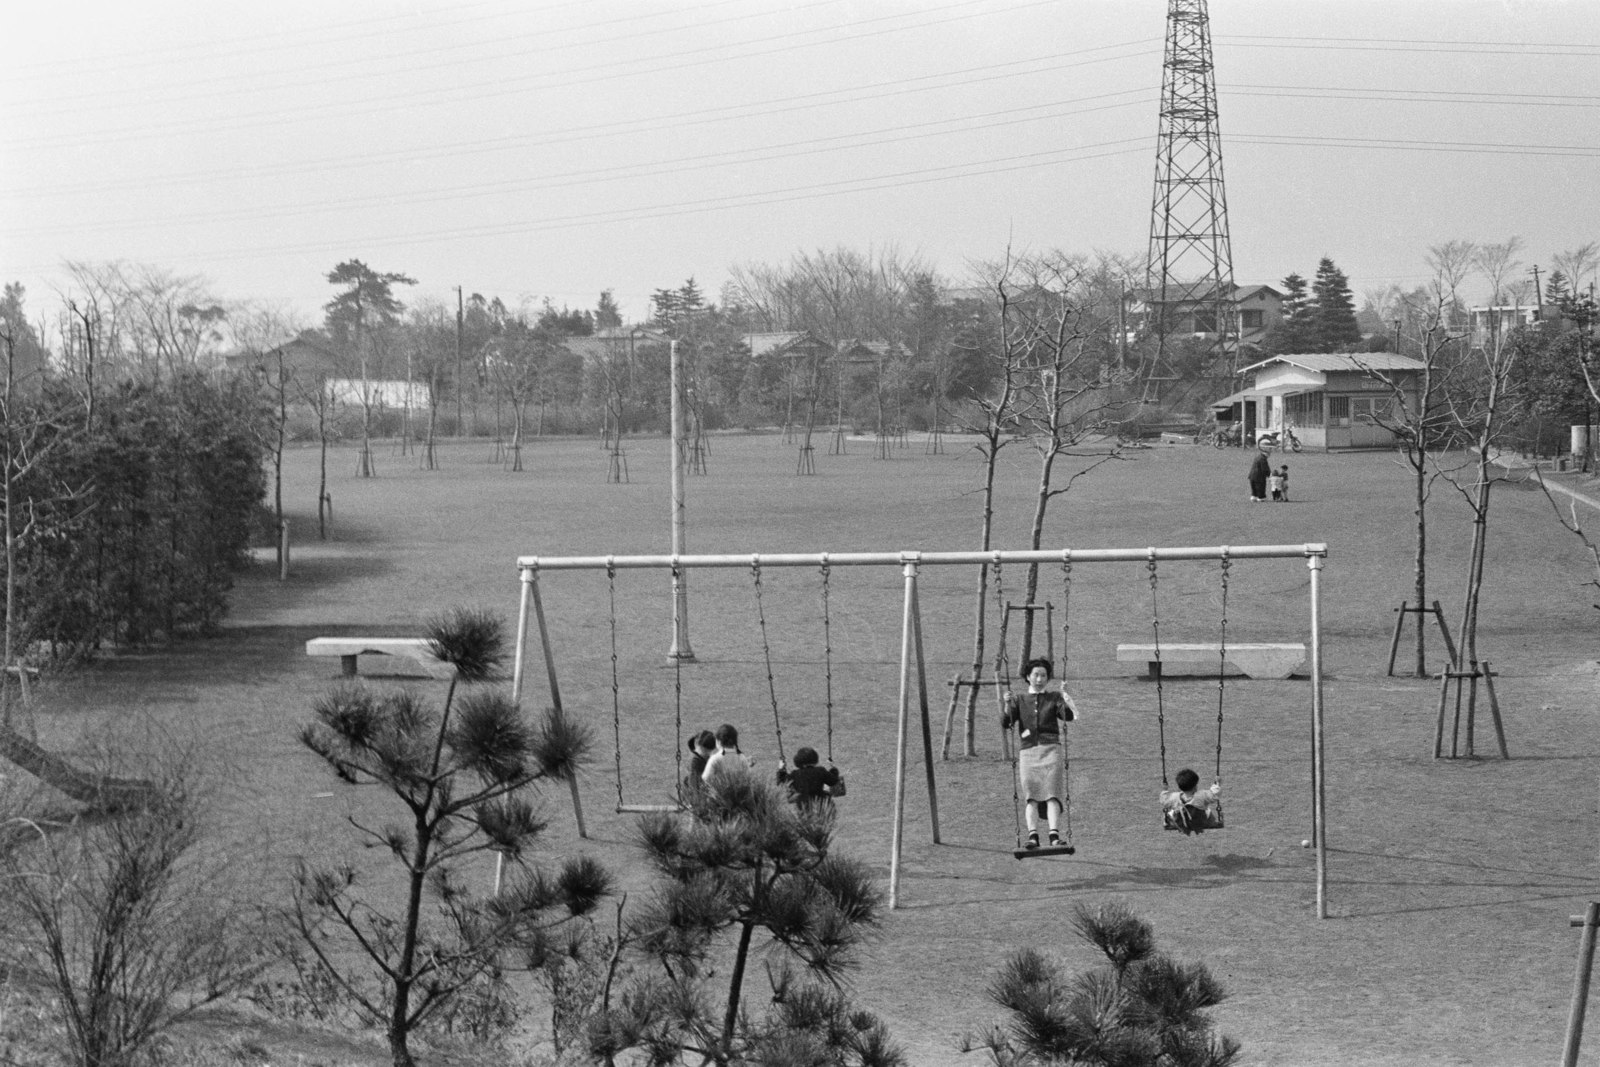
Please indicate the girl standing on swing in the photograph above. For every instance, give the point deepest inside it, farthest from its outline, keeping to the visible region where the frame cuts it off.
(1039, 716)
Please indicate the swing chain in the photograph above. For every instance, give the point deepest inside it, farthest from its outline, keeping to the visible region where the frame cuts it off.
(677, 682)
(827, 653)
(616, 698)
(1222, 659)
(1002, 679)
(1066, 747)
(1155, 629)
(766, 653)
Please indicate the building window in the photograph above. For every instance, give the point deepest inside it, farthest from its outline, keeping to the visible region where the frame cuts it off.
(1338, 411)
(1304, 409)
(1252, 318)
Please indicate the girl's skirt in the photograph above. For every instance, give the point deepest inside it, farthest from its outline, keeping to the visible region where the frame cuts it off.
(1043, 772)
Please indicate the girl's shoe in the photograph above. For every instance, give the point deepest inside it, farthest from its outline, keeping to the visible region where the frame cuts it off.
(1055, 839)
(1033, 840)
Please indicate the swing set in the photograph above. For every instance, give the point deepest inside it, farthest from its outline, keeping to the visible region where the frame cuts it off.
(680, 802)
(913, 682)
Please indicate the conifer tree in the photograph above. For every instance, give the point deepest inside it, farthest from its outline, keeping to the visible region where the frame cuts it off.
(1334, 325)
(1296, 332)
(750, 868)
(1141, 1009)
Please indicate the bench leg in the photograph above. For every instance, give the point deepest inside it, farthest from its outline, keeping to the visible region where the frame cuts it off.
(348, 664)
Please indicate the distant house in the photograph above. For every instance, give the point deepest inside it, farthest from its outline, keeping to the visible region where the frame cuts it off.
(1260, 308)
(1500, 320)
(1330, 399)
(612, 342)
(311, 359)
(786, 344)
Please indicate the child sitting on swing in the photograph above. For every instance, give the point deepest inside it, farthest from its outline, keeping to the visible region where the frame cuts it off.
(809, 783)
(727, 756)
(701, 746)
(1189, 809)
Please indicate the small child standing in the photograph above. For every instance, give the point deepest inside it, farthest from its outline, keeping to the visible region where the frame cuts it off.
(1275, 485)
(809, 783)
(1283, 482)
(1188, 809)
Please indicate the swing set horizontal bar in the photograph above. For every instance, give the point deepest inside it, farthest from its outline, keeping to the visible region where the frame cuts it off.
(647, 809)
(932, 559)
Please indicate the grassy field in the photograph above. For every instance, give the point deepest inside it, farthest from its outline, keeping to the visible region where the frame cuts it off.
(1450, 881)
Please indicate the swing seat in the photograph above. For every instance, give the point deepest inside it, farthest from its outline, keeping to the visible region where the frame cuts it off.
(1046, 850)
(1190, 819)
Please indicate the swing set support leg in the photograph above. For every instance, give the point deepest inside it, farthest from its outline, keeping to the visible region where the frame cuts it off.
(532, 604)
(910, 650)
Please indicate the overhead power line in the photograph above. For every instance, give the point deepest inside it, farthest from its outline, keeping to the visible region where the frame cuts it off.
(809, 147)
(960, 78)
(474, 52)
(608, 70)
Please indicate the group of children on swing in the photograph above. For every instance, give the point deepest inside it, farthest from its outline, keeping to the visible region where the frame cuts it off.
(1039, 716)
(808, 781)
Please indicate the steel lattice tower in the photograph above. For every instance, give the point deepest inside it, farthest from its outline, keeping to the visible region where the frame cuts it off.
(1189, 271)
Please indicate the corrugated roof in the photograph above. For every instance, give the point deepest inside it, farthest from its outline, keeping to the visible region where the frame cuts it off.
(1322, 362)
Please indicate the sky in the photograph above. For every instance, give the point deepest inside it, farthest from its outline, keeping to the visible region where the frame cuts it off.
(552, 150)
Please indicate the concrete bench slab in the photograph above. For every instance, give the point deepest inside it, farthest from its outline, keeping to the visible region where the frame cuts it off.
(348, 648)
(1279, 660)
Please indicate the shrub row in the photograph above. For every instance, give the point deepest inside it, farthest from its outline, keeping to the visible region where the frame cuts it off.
(129, 514)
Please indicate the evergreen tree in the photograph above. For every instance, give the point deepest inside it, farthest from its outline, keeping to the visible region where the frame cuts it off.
(747, 864)
(1334, 327)
(607, 314)
(1142, 1009)
(463, 775)
(1295, 332)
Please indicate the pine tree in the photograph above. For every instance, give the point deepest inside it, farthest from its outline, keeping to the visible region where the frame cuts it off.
(463, 775)
(1141, 1009)
(1334, 326)
(750, 868)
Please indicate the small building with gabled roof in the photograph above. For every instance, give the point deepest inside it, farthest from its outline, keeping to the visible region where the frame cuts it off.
(1329, 399)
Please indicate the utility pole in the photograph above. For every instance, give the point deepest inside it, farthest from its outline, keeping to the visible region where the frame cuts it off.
(1538, 295)
(460, 382)
(1189, 269)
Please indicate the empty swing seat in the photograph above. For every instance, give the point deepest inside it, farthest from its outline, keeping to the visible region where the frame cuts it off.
(1270, 660)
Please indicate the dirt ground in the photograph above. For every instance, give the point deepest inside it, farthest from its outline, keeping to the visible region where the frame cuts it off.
(1450, 882)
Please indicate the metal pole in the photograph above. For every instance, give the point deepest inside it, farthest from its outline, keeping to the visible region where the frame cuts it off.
(680, 649)
(927, 559)
(522, 638)
(909, 567)
(922, 693)
(1580, 985)
(1319, 822)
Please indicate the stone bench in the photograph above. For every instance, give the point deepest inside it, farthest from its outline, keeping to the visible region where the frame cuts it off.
(1255, 660)
(348, 648)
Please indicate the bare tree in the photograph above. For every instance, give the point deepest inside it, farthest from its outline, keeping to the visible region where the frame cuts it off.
(1426, 323)
(131, 923)
(1498, 263)
(1577, 262)
(1479, 414)
(262, 333)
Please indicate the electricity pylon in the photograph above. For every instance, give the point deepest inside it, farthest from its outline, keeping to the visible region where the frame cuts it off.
(1189, 272)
